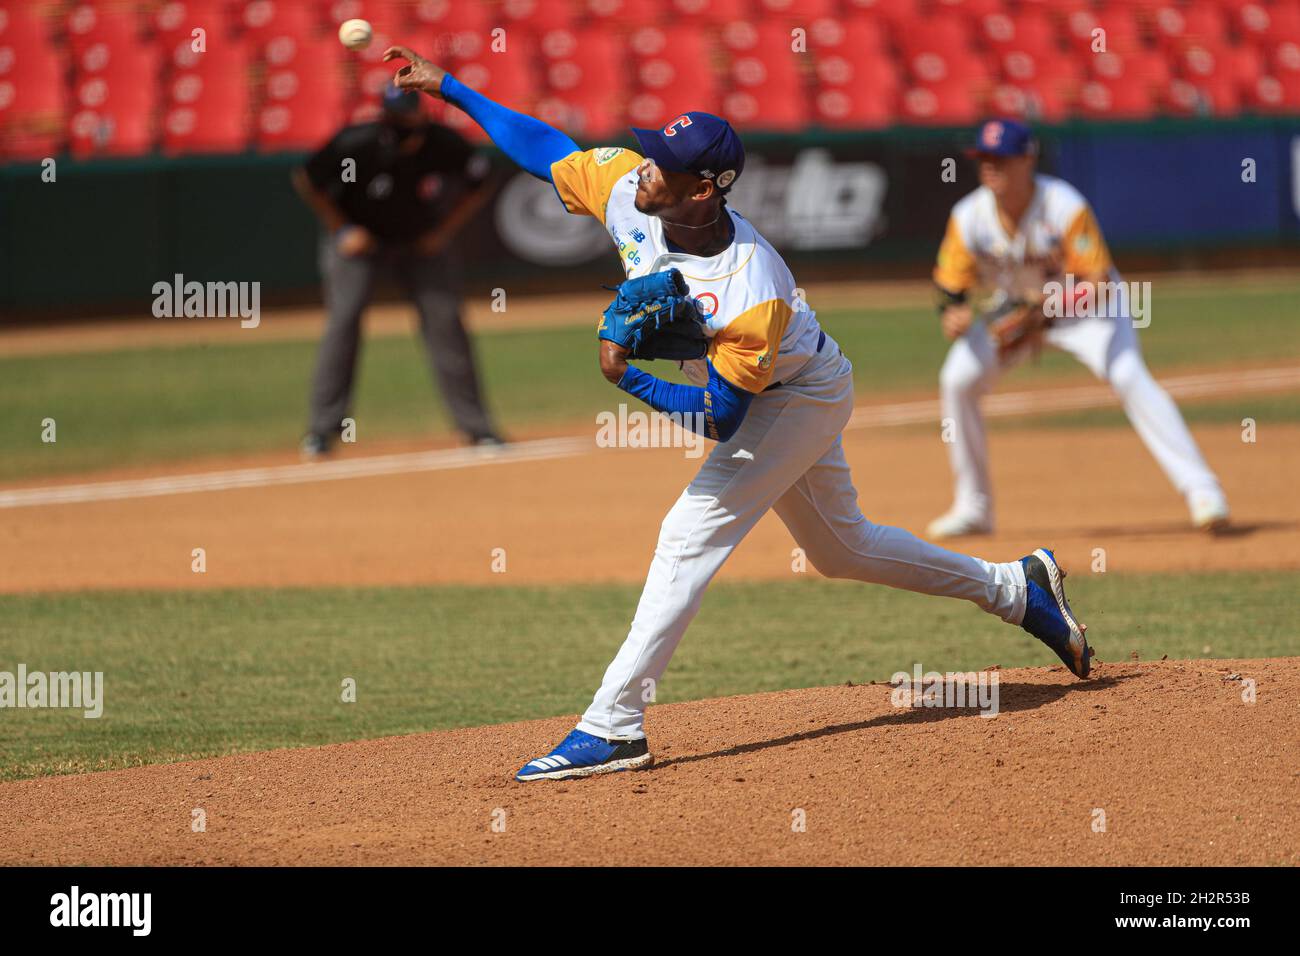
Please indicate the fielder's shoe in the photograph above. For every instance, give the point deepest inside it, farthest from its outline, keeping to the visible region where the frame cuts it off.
(582, 755)
(1209, 513)
(1047, 612)
(955, 524)
(314, 446)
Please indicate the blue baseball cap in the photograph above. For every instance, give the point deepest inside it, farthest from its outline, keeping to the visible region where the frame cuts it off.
(397, 100)
(698, 143)
(1002, 137)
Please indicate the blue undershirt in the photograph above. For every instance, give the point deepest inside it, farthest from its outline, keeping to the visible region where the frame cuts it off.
(714, 410)
(530, 143)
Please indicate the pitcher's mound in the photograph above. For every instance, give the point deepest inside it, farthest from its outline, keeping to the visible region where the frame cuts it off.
(1145, 763)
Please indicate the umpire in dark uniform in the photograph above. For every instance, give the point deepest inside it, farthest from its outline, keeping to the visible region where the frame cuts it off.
(392, 195)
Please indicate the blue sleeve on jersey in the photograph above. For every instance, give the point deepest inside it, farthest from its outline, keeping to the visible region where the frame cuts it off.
(714, 410)
(531, 143)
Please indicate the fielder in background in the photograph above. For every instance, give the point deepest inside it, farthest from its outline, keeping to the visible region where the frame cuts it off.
(392, 195)
(1005, 243)
(770, 387)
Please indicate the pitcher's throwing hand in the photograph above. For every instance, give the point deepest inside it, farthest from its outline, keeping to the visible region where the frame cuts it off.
(418, 74)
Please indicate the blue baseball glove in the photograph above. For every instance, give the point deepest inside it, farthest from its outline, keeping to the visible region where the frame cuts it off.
(655, 317)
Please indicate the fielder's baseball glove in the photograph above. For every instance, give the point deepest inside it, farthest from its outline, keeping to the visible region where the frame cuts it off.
(1015, 324)
(655, 317)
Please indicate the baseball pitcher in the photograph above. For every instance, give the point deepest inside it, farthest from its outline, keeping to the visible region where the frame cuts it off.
(1028, 249)
(770, 387)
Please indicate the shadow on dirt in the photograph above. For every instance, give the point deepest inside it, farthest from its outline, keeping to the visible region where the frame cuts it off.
(1011, 698)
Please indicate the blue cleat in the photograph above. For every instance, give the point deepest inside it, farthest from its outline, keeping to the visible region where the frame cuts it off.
(1047, 613)
(582, 755)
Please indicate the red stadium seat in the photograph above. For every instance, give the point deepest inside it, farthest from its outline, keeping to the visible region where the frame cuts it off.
(803, 11)
(113, 117)
(855, 108)
(941, 104)
(454, 16)
(1121, 33)
(599, 65)
(1245, 65)
(264, 20)
(890, 11)
(1115, 99)
(592, 114)
(1148, 68)
(1286, 58)
(390, 17)
(1176, 27)
(1212, 97)
(208, 115)
(776, 111)
(539, 15)
(623, 14)
(1035, 102)
(508, 78)
(140, 63)
(708, 11)
(176, 20)
(570, 77)
(26, 24)
(33, 101)
(1270, 24)
(1026, 66)
(1275, 95)
(852, 36)
(972, 9)
(877, 73)
(947, 38)
(89, 23)
(232, 59)
(301, 124)
(1204, 61)
(654, 109)
(1031, 30)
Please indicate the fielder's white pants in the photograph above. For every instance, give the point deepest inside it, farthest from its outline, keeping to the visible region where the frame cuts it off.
(785, 455)
(1109, 348)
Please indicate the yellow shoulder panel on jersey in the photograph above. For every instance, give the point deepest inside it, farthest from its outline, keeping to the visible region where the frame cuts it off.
(744, 350)
(955, 269)
(584, 180)
(1083, 248)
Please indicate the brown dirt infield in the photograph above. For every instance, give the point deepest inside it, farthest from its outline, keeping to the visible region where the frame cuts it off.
(1184, 770)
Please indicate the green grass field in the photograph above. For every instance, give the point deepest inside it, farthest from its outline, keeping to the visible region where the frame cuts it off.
(139, 406)
(200, 674)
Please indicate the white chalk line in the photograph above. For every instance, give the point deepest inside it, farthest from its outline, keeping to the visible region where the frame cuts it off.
(867, 416)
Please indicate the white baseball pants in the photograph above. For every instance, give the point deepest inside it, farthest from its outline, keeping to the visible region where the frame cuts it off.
(1109, 348)
(785, 455)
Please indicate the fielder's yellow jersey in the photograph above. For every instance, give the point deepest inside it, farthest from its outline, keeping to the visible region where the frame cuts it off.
(1058, 234)
(761, 331)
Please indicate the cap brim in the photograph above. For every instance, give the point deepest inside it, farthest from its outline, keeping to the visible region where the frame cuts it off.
(654, 147)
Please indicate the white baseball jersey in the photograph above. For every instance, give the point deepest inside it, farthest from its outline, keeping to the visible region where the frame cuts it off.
(1058, 234)
(760, 330)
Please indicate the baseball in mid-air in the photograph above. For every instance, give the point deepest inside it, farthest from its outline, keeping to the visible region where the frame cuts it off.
(355, 34)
